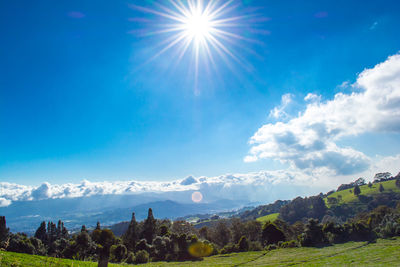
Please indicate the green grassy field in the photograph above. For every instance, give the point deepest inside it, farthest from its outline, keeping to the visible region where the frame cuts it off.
(270, 217)
(381, 253)
(349, 197)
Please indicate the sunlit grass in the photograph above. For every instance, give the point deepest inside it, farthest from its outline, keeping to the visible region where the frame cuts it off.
(349, 197)
(383, 252)
(270, 217)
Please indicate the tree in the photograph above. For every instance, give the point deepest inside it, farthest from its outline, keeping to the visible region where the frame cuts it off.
(83, 245)
(357, 190)
(381, 188)
(118, 253)
(41, 232)
(221, 234)
(252, 230)
(105, 241)
(149, 227)
(131, 235)
(4, 231)
(203, 232)
(271, 234)
(237, 229)
(369, 184)
(142, 256)
(313, 234)
(382, 176)
(243, 244)
(398, 182)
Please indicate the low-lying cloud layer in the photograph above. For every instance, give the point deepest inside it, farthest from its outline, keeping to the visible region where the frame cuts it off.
(309, 141)
(263, 186)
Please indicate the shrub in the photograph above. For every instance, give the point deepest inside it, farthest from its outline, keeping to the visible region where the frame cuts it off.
(255, 246)
(142, 256)
(271, 234)
(289, 244)
(130, 259)
(243, 244)
(229, 248)
(271, 247)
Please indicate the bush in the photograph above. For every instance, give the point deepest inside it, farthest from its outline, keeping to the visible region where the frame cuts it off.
(271, 234)
(271, 247)
(142, 256)
(289, 244)
(230, 248)
(130, 259)
(390, 226)
(255, 246)
(243, 244)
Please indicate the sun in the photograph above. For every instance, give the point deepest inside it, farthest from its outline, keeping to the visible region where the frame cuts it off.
(203, 28)
(198, 26)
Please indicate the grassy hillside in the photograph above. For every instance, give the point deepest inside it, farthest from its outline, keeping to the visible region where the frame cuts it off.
(383, 252)
(347, 195)
(270, 217)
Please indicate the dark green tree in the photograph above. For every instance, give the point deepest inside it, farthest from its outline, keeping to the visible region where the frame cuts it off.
(243, 244)
(118, 253)
(41, 233)
(313, 234)
(105, 240)
(381, 188)
(149, 227)
(357, 190)
(271, 234)
(398, 182)
(4, 231)
(221, 234)
(131, 235)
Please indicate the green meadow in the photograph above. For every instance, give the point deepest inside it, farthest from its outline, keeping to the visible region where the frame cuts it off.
(384, 252)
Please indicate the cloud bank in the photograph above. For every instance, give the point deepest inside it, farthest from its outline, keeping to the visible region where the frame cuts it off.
(263, 186)
(308, 141)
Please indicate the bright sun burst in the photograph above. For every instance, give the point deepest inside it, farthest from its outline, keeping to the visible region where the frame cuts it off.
(204, 27)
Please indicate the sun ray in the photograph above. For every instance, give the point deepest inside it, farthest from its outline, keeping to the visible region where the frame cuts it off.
(208, 27)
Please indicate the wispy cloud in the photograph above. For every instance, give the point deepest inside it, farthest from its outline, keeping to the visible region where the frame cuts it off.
(308, 141)
(280, 111)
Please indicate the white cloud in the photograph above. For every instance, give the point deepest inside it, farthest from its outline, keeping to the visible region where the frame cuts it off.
(308, 141)
(279, 112)
(263, 186)
(4, 202)
(312, 97)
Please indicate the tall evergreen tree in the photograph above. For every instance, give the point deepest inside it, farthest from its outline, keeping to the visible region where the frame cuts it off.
(357, 190)
(149, 227)
(381, 188)
(4, 231)
(41, 233)
(131, 235)
(398, 182)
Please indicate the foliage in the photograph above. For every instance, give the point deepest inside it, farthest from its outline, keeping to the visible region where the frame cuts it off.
(301, 208)
(271, 234)
(313, 234)
(142, 256)
(131, 236)
(357, 190)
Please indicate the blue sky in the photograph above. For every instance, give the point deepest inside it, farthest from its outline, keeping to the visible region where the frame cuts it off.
(78, 100)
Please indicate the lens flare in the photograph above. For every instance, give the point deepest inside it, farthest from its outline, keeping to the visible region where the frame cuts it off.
(197, 197)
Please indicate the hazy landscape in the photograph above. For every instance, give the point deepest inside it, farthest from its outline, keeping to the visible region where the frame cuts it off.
(199, 133)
